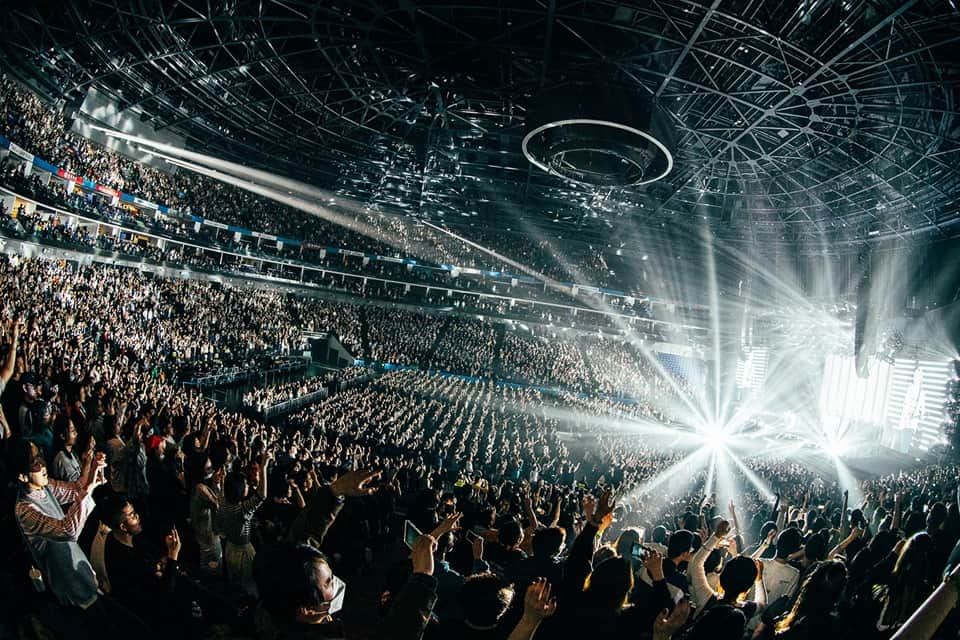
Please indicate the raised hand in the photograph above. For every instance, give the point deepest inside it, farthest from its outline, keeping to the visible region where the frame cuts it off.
(653, 563)
(477, 547)
(537, 603)
(96, 475)
(606, 505)
(422, 554)
(173, 544)
(723, 528)
(87, 455)
(355, 483)
(447, 525)
(527, 502)
(589, 504)
(669, 622)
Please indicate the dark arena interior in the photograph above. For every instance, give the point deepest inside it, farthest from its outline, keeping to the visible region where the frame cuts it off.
(318, 316)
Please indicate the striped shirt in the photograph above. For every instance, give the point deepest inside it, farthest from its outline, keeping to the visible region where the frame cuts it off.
(236, 520)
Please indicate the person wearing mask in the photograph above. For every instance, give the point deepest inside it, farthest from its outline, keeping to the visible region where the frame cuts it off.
(299, 593)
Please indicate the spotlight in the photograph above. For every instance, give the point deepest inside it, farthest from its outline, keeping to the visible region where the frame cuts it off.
(715, 438)
(834, 449)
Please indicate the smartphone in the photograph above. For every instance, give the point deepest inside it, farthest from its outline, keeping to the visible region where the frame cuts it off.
(638, 552)
(472, 537)
(410, 534)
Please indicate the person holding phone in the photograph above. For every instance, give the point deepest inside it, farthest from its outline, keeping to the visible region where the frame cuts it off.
(51, 535)
(449, 581)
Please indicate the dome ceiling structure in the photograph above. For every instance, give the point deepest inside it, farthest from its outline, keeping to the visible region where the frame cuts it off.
(817, 122)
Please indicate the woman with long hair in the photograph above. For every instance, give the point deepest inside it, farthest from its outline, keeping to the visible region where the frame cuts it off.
(812, 614)
(66, 465)
(909, 583)
(235, 521)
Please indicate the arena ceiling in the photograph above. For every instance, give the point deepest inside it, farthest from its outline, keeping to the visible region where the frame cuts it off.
(814, 122)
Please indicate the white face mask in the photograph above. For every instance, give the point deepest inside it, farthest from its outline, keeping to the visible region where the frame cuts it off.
(339, 589)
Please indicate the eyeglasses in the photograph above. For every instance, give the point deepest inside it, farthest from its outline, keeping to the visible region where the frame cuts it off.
(37, 463)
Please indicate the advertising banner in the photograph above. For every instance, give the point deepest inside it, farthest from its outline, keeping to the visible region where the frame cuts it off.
(143, 203)
(20, 152)
(113, 193)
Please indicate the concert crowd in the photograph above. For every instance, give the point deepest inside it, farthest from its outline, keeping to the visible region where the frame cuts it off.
(413, 504)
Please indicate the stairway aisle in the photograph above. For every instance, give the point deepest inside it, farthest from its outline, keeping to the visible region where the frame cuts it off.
(365, 334)
(498, 347)
(428, 358)
(583, 354)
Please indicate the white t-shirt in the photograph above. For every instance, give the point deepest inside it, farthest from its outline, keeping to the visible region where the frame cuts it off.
(779, 579)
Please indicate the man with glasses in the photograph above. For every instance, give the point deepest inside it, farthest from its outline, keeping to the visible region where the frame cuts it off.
(50, 534)
(142, 578)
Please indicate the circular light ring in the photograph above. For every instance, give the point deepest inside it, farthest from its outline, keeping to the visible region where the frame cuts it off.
(602, 123)
(635, 167)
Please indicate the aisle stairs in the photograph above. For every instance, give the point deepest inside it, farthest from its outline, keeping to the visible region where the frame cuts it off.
(583, 354)
(364, 334)
(428, 357)
(501, 333)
